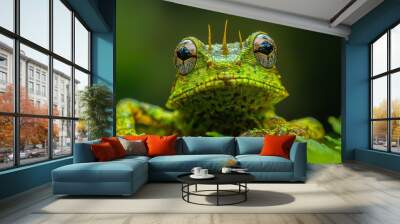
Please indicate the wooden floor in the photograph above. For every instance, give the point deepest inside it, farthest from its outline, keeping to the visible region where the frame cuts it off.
(377, 188)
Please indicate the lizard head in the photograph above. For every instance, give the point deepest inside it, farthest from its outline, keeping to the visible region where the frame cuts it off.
(234, 77)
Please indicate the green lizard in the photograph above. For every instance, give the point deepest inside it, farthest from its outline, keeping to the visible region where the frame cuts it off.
(220, 89)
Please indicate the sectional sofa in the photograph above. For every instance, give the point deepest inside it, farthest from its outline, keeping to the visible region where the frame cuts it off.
(125, 176)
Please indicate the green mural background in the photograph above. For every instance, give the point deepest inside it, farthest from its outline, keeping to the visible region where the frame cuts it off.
(148, 32)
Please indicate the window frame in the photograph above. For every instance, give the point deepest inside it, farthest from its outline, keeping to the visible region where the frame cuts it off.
(16, 114)
(388, 74)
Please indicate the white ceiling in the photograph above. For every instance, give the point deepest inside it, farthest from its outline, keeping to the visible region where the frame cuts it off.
(325, 16)
(318, 9)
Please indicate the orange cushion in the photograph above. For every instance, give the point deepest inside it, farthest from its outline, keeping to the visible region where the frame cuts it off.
(103, 152)
(116, 145)
(161, 145)
(277, 145)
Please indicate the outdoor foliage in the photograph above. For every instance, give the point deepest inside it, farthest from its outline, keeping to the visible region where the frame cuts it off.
(380, 128)
(96, 102)
(33, 130)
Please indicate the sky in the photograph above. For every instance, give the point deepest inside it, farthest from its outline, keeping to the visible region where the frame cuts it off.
(395, 45)
(380, 65)
(35, 27)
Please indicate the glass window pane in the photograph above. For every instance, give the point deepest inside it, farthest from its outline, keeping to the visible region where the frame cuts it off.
(395, 47)
(62, 89)
(395, 95)
(379, 135)
(379, 55)
(81, 131)
(81, 45)
(81, 82)
(379, 97)
(62, 138)
(7, 14)
(33, 140)
(6, 74)
(62, 28)
(395, 135)
(35, 21)
(6, 142)
(34, 96)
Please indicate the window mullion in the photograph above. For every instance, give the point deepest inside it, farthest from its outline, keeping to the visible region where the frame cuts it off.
(371, 142)
(73, 82)
(50, 81)
(389, 106)
(16, 84)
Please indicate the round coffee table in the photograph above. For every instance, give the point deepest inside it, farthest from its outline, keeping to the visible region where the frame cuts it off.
(238, 179)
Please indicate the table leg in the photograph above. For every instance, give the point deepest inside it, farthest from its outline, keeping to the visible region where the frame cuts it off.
(217, 194)
(188, 190)
(195, 188)
(245, 193)
(182, 189)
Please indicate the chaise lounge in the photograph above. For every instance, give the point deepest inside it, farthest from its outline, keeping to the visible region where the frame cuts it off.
(125, 176)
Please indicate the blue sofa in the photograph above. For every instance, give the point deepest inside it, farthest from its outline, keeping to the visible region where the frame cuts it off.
(125, 176)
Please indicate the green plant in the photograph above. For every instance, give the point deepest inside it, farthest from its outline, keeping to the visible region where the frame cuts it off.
(96, 103)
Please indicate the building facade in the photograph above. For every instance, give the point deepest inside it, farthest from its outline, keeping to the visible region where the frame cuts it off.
(34, 81)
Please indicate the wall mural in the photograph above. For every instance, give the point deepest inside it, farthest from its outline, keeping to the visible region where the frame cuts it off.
(229, 89)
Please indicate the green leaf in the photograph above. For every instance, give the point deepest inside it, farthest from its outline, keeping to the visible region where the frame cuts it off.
(96, 103)
(336, 124)
(321, 153)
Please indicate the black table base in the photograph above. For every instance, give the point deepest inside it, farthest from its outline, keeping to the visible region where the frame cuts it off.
(241, 191)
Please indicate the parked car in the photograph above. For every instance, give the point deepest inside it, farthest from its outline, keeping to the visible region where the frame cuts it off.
(10, 156)
(22, 155)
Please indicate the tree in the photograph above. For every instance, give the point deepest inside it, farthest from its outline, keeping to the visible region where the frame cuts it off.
(96, 102)
(380, 127)
(33, 131)
(6, 122)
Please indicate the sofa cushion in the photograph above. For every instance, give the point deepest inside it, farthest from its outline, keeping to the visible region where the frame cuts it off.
(112, 171)
(133, 158)
(136, 137)
(185, 163)
(161, 145)
(83, 153)
(208, 145)
(257, 163)
(116, 145)
(277, 145)
(135, 147)
(249, 145)
(103, 152)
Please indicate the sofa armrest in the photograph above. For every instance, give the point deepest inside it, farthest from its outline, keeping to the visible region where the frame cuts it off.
(298, 155)
(83, 152)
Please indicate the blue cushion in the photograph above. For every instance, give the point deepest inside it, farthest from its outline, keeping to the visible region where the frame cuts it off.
(185, 163)
(208, 145)
(133, 157)
(249, 145)
(83, 153)
(111, 171)
(257, 163)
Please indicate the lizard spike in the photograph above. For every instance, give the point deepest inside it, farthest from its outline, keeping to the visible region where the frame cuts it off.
(240, 40)
(209, 38)
(224, 44)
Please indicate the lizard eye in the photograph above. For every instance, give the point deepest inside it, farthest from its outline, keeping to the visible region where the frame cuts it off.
(265, 51)
(185, 56)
